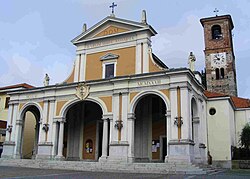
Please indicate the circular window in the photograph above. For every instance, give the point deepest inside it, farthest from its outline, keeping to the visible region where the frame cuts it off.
(212, 111)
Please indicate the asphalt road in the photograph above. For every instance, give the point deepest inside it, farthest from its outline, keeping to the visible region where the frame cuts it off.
(29, 173)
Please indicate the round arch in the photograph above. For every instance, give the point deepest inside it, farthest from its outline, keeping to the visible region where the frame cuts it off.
(137, 98)
(194, 106)
(25, 107)
(27, 146)
(69, 104)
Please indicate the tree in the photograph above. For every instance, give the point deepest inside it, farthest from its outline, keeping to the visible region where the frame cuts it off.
(245, 137)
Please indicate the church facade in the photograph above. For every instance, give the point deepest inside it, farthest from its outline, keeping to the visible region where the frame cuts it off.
(120, 103)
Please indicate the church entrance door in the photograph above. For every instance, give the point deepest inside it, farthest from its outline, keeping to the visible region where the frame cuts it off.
(83, 132)
(150, 129)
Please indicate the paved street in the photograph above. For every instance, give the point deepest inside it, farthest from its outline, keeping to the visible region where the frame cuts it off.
(19, 172)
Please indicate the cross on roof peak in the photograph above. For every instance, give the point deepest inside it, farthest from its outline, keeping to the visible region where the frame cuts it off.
(113, 5)
(216, 11)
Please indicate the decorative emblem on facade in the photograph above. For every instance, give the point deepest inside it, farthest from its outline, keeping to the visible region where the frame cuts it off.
(82, 91)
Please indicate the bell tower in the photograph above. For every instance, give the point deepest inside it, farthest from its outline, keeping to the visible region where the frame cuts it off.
(219, 55)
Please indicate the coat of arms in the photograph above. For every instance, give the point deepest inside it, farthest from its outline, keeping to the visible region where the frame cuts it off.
(82, 91)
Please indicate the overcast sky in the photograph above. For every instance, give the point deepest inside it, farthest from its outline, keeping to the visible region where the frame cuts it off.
(35, 35)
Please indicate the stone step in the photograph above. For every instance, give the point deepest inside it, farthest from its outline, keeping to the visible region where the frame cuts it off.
(163, 168)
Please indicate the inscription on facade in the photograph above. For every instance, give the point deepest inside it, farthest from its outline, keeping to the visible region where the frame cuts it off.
(110, 42)
(149, 83)
(111, 31)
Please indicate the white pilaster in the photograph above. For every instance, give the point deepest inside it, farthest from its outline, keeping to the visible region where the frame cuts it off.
(14, 135)
(145, 58)
(115, 104)
(124, 131)
(50, 121)
(83, 67)
(76, 74)
(42, 133)
(186, 132)
(173, 102)
(9, 122)
(138, 61)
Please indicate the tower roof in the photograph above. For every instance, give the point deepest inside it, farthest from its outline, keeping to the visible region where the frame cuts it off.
(215, 18)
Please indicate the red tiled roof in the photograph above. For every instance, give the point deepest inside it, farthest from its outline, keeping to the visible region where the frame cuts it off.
(238, 102)
(210, 94)
(22, 85)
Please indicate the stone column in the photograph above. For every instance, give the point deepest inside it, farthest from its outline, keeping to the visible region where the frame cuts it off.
(60, 140)
(131, 137)
(105, 139)
(18, 139)
(54, 137)
(168, 132)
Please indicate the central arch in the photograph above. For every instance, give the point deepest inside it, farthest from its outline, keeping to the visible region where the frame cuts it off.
(83, 131)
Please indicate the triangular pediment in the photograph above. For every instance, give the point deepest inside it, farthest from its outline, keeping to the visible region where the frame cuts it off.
(111, 26)
(109, 56)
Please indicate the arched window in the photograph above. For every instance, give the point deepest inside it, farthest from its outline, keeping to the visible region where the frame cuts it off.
(222, 74)
(217, 73)
(216, 32)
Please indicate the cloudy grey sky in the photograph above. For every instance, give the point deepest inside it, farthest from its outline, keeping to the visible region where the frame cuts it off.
(35, 35)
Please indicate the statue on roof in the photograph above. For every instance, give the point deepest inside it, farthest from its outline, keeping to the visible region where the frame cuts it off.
(46, 80)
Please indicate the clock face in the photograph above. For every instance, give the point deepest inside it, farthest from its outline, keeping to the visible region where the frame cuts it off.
(218, 59)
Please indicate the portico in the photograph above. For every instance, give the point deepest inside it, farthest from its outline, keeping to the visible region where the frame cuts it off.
(119, 104)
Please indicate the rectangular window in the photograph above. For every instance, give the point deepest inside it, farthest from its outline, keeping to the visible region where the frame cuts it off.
(7, 102)
(109, 70)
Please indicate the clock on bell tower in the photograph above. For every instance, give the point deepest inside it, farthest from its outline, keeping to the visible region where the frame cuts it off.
(219, 55)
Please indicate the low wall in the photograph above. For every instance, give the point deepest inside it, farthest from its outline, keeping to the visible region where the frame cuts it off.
(241, 164)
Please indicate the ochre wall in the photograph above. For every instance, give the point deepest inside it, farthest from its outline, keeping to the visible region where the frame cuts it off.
(125, 63)
(153, 67)
(108, 102)
(59, 106)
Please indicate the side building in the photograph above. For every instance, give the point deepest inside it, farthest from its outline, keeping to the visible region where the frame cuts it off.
(4, 106)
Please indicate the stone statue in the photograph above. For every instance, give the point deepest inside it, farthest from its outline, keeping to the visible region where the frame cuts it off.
(84, 27)
(46, 80)
(144, 17)
(191, 61)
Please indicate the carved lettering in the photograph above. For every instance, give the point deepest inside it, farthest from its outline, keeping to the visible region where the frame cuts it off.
(149, 83)
(109, 42)
(111, 31)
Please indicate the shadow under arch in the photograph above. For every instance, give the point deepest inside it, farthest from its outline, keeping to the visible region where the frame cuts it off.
(69, 104)
(140, 95)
